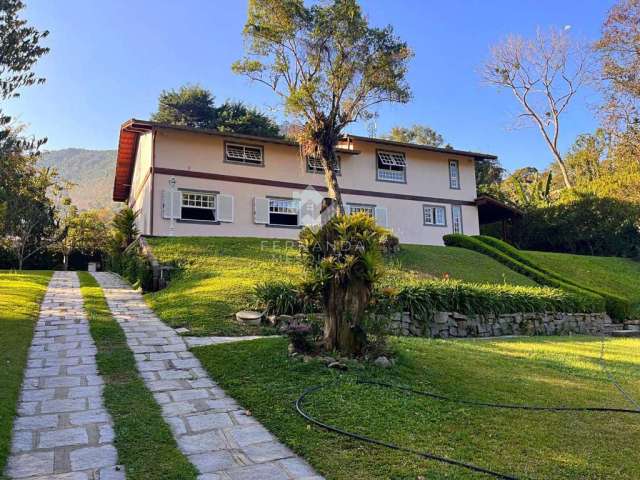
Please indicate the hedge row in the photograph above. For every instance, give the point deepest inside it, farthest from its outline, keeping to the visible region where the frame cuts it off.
(617, 307)
(426, 297)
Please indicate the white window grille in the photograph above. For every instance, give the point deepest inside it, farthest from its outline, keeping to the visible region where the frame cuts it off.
(198, 206)
(284, 211)
(314, 165)
(454, 174)
(456, 218)
(391, 166)
(244, 154)
(355, 208)
(434, 215)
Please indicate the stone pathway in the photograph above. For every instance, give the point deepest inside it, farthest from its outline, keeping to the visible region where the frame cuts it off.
(210, 428)
(62, 431)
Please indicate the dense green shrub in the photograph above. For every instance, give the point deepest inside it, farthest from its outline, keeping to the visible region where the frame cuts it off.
(617, 307)
(286, 298)
(584, 224)
(423, 298)
(426, 297)
(134, 267)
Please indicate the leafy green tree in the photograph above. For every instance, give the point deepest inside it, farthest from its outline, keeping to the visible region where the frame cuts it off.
(528, 188)
(124, 227)
(20, 49)
(83, 232)
(193, 106)
(328, 66)
(236, 117)
(190, 105)
(419, 134)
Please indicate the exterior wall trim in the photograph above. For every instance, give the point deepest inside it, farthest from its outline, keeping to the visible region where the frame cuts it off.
(302, 186)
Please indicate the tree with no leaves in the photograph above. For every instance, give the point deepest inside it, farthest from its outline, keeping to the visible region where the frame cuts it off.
(544, 74)
(328, 66)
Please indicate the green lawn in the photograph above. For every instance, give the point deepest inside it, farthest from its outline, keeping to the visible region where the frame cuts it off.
(144, 441)
(544, 370)
(218, 274)
(620, 276)
(20, 297)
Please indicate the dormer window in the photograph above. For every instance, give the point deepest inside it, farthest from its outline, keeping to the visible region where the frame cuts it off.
(246, 154)
(391, 167)
(314, 165)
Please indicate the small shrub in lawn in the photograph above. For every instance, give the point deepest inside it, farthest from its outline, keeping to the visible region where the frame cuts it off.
(302, 338)
(285, 298)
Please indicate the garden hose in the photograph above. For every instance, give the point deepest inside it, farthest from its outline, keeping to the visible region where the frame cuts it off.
(431, 456)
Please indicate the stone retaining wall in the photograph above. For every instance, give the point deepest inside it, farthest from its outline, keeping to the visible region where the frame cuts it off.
(456, 325)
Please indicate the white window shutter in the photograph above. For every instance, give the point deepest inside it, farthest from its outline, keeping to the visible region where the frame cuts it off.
(261, 210)
(166, 209)
(166, 204)
(224, 208)
(382, 217)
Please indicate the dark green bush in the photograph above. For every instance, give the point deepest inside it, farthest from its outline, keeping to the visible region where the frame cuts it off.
(618, 308)
(286, 298)
(134, 267)
(585, 224)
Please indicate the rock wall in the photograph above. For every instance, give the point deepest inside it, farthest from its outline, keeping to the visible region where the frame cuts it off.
(455, 325)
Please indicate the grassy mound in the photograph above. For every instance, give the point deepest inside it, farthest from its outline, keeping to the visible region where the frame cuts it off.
(217, 276)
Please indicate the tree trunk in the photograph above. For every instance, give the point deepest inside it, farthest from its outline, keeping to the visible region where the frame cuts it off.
(345, 307)
(328, 160)
(65, 261)
(563, 169)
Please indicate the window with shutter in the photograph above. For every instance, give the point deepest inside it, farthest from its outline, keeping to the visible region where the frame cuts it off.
(284, 211)
(360, 208)
(198, 206)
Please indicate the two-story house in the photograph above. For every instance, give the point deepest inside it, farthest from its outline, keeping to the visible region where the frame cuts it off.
(194, 182)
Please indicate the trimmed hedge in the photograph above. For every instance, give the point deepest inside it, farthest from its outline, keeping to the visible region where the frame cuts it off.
(617, 307)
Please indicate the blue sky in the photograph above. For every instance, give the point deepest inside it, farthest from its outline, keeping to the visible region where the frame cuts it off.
(109, 61)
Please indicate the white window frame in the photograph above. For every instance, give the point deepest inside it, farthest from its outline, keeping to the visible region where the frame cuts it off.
(314, 165)
(430, 215)
(457, 225)
(454, 174)
(198, 199)
(284, 206)
(361, 207)
(245, 158)
(396, 163)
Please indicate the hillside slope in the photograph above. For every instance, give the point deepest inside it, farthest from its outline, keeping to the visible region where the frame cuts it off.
(91, 171)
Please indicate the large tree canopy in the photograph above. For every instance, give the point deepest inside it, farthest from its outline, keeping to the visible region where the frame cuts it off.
(328, 66)
(193, 106)
(420, 134)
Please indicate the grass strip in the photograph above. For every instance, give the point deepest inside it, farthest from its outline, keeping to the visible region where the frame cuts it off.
(145, 444)
(20, 297)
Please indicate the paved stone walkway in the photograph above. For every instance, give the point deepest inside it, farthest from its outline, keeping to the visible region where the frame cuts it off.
(211, 428)
(62, 431)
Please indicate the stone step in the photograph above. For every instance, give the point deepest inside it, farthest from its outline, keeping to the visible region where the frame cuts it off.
(632, 326)
(625, 333)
